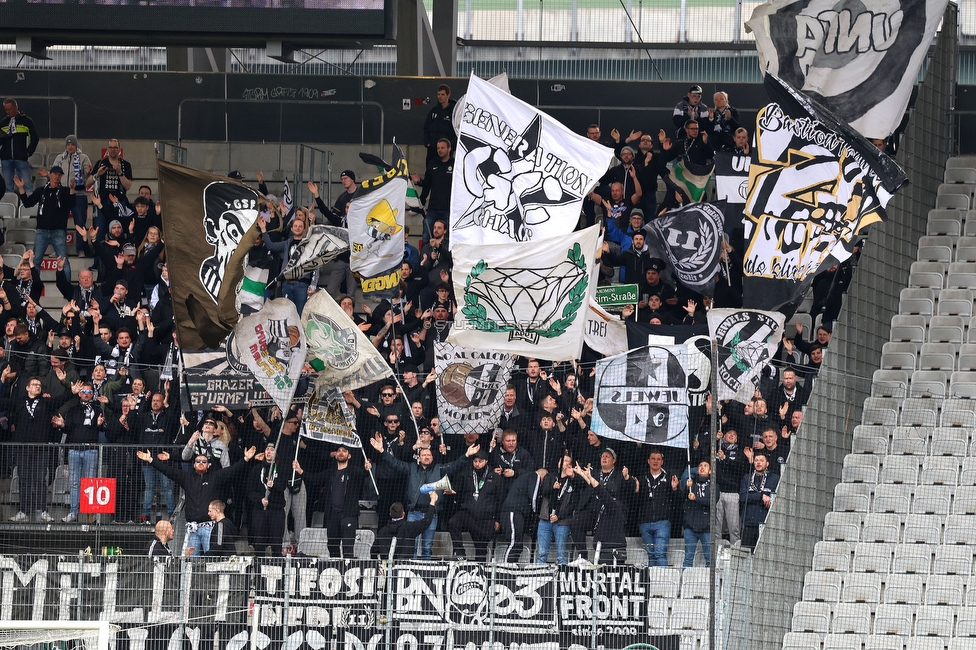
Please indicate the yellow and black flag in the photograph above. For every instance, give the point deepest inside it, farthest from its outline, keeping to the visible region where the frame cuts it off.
(210, 223)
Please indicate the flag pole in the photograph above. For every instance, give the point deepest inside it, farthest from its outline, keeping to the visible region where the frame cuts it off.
(371, 477)
(715, 535)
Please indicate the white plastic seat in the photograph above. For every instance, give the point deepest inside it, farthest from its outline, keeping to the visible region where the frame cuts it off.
(933, 620)
(811, 617)
(879, 527)
(658, 613)
(907, 333)
(967, 357)
(862, 588)
(912, 559)
(886, 417)
(926, 280)
(937, 361)
(955, 188)
(945, 333)
(934, 253)
(889, 383)
(892, 498)
(929, 382)
(860, 468)
(689, 614)
(900, 470)
(931, 500)
(960, 175)
(926, 529)
(884, 642)
(842, 527)
(940, 470)
(950, 227)
(960, 529)
(966, 623)
(663, 582)
(953, 560)
(842, 642)
(952, 202)
(964, 498)
(890, 403)
(909, 439)
(695, 582)
(852, 618)
(903, 589)
(832, 556)
(852, 497)
(893, 619)
(314, 542)
(874, 557)
(950, 441)
(968, 474)
(944, 590)
(953, 417)
(802, 641)
(960, 162)
(823, 586)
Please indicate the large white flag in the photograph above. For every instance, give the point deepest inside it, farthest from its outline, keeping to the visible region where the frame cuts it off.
(321, 245)
(860, 60)
(529, 299)
(642, 396)
(470, 387)
(337, 348)
(272, 345)
(520, 175)
(747, 340)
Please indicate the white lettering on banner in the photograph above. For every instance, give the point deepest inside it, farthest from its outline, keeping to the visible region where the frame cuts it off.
(36, 573)
(841, 32)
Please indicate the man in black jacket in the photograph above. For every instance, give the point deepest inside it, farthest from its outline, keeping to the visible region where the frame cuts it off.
(54, 203)
(30, 414)
(618, 484)
(223, 536)
(81, 423)
(480, 494)
(342, 484)
(200, 487)
(730, 466)
(560, 496)
(18, 141)
(155, 430)
(402, 532)
(520, 508)
(440, 122)
(658, 490)
(437, 185)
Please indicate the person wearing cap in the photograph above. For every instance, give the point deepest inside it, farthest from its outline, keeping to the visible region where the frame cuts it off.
(479, 495)
(106, 247)
(547, 443)
(618, 484)
(76, 165)
(114, 177)
(342, 486)
(134, 269)
(439, 122)
(436, 185)
(416, 391)
(690, 108)
(55, 203)
(119, 309)
(652, 283)
(205, 442)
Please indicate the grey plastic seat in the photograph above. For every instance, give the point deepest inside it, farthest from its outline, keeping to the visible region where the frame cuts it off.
(842, 642)
(960, 162)
(952, 202)
(891, 403)
(925, 280)
(955, 188)
(967, 357)
(934, 253)
(885, 417)
(950, 227)
(937, 361)
(960, 175)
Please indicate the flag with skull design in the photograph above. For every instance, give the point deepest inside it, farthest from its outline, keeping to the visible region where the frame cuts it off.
(520, 175)
(642, 396)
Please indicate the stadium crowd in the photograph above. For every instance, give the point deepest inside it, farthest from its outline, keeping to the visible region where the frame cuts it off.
(103, 372)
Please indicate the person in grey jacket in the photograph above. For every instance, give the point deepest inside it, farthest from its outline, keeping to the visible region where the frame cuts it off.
(420, 474)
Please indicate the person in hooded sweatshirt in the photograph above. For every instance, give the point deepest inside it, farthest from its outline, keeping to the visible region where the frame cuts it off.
(697, 513)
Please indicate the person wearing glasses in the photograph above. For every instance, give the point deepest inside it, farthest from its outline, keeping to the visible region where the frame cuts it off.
(391, 403)
(81, 421)
(395, 440)
(200, 487)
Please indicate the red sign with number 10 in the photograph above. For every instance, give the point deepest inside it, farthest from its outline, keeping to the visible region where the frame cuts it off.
(97, 496)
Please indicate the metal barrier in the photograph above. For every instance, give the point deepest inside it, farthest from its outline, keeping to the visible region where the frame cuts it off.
(313, 165)
(48, 98)
(172, 152)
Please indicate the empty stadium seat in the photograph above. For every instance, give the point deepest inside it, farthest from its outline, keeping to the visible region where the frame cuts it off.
(903, 589)
(895, 499)
(689, 614)
(952, 202)
(871, 556)
(931, 500)
(695, 582)
(861, 588)
(932, 383)
(842, 526)
(912, 559)
(960, 175)
(801, 641)
(854, 618)
(663, 582)
(964, 498)
(842, 642)
(953, 560)
(944, 590)
(889, 383)
(923, 529)
(900, 470)
(823, 586)
(940, 470)
(811, 617)
(832, 556)
(861, 469)
(960, 529)
(893, 619)
(852, 497)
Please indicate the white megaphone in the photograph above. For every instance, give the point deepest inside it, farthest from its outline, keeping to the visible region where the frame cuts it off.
(441, 485)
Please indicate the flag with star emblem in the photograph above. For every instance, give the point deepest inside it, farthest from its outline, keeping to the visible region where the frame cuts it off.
(859, 59)
(642, 396)
(520, 175)
(747, 340)
(815, 186)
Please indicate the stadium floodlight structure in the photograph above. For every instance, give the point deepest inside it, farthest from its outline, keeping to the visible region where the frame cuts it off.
(92, 635)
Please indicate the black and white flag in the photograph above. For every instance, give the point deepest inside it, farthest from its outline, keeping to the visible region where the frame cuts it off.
(691, 238)
(747, 340)
(731, 176)
(321, 245)
(815, 186)
(470, 387)
(521, 175)
(860, 60)
(330, 419)
(642, 396)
